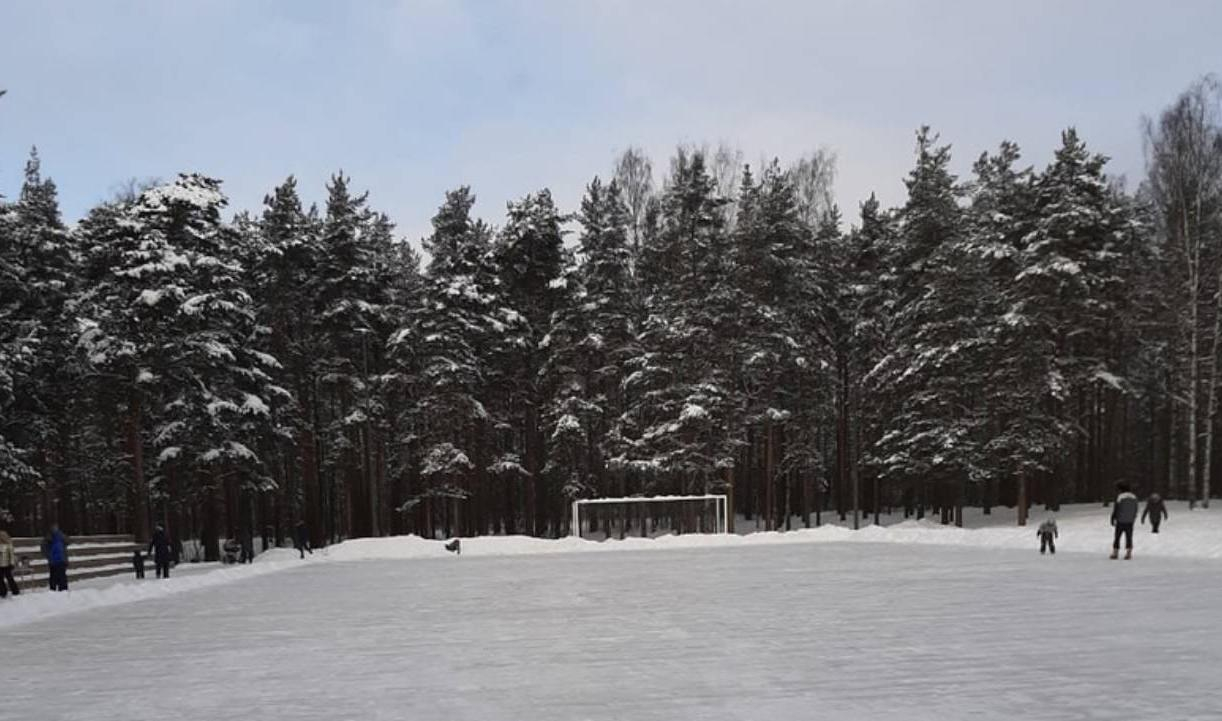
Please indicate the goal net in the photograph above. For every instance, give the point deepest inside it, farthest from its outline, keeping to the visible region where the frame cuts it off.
(647, 517)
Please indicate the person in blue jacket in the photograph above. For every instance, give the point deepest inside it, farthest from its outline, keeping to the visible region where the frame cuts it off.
(55, 548)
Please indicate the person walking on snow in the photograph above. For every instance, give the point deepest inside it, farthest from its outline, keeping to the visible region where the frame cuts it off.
(55, 548)
(1156, 510)
(8, 559)
(1124, 515)
(1047, 533)
(303, 539)
(162, 552)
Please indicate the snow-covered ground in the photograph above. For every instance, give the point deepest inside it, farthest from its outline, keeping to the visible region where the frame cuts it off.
(826, 623)
(790, 631)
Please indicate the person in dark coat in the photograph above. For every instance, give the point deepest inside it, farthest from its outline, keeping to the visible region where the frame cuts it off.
(1047, 533)
(1124, 515)
(248, 548)
(55, 548)
(1156, 509)
(138, 563)
(162, 552)
(302, 539)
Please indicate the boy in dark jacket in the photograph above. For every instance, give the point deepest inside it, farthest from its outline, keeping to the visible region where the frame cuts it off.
(1047, 533)
(1156, 510)
(138, 563)
(1124, 515)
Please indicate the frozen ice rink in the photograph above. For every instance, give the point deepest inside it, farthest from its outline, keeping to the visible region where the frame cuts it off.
(790, 631)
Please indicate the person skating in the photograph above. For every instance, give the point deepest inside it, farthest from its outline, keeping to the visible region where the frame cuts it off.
(8, 559)
(1124, 515)
(1156, 509)
(1047, 534)
(55, 548)
(302, 539)
(138, 563)
(162, 552)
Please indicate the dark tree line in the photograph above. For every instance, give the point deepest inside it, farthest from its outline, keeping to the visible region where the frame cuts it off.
(1020, 336)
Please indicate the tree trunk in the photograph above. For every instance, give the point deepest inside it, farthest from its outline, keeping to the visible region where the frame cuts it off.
(1194, 377)
(135, 446)
(1212, 405)
(1022, 498)
(769, 480)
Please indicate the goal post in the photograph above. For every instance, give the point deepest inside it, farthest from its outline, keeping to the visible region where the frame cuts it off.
(648, 516)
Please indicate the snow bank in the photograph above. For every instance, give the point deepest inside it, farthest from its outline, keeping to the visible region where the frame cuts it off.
(1083, 529)
(40, 605)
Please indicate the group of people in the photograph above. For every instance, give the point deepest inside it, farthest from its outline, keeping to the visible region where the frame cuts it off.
(1124, 517)
(54, 549)
(163, 551)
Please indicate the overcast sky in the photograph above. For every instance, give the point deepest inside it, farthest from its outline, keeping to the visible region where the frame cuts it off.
(412, 98)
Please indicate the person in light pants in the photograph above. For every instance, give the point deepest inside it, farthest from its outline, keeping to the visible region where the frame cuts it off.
(1124, 515)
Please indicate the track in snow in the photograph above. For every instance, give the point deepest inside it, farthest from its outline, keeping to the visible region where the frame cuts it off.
(835, 631)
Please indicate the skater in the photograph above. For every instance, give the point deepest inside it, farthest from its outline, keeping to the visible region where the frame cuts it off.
(162, 552)
(8, 559)
(55, 548)
(1124, 514)
(138, 563)
(1156, 510)
(302, 539)
(1047, 534)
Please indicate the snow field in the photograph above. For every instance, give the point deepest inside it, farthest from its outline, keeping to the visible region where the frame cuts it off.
(792, 631)
(1083, 528)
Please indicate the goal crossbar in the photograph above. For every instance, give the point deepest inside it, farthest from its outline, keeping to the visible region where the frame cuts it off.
(720, 500)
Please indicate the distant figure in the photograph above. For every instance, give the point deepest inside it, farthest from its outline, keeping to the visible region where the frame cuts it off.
(138, 563)
(1047, 534)
(162, 552)
(55, 548)
(8, 559)
(302, 539)
(248, 548)
(1156, 510)
(1124, 515)
(455, 547)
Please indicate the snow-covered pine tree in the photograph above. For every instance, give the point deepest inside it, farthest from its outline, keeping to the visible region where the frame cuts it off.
(39, 271)
(933, 442)
(1068, 283)
(774, 264)
(681, 384)
(281, 268)
(444, 345)
(169, 322)
(350, 305)
(1025, 438)
(530, 257)
(590, 338)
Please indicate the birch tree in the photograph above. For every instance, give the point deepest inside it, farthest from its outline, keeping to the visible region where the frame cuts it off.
(1184, 162)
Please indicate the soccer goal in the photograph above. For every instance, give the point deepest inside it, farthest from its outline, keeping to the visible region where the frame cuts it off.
(646, 517)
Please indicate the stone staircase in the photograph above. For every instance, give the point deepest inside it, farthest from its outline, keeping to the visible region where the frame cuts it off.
(88, 557)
